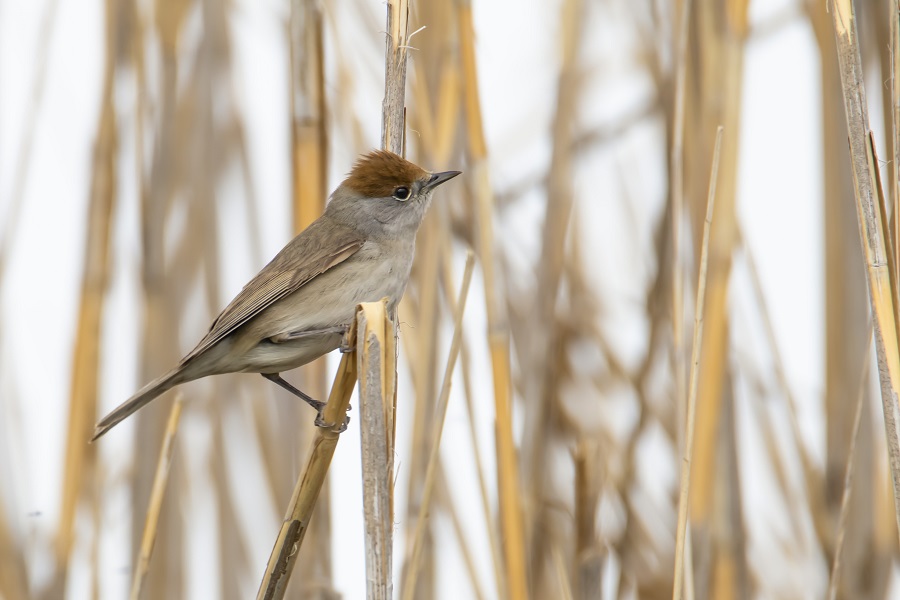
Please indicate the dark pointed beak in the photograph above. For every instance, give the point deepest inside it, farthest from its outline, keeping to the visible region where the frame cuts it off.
(439, 178)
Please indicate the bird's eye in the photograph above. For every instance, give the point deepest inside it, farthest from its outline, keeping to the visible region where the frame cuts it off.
(401, 193)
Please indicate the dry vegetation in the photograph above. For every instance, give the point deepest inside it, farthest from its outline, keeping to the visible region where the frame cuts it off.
(576, 487)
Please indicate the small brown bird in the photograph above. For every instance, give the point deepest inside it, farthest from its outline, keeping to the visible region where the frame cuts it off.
(301, 304)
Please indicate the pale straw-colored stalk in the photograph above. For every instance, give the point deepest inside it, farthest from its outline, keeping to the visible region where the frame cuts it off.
(688, 452)
(160, 480)
(409, 585)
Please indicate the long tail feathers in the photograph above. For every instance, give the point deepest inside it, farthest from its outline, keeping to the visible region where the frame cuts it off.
(143, 396)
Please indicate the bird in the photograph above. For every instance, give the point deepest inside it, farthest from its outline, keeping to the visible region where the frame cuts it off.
(300, 305)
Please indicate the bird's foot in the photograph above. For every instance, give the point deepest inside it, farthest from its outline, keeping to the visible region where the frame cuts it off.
(316, 404)
(347, 345)
(321, 422)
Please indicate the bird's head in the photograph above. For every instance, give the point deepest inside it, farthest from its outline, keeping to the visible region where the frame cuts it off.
(385, 194)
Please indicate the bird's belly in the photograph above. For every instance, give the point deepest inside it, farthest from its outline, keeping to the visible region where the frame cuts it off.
(327, 301)
(271, 357)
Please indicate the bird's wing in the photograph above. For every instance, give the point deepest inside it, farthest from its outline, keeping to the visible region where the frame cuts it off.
(298, 263)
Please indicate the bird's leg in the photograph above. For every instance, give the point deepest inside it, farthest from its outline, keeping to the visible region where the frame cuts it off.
(316, 404)
(276, 378)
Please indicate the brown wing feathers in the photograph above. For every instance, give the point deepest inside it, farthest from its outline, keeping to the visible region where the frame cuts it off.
(273, 282)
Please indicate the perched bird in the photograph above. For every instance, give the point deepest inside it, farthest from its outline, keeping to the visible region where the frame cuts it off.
(301, 304)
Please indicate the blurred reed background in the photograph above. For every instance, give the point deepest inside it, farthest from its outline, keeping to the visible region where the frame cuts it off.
(156, 153)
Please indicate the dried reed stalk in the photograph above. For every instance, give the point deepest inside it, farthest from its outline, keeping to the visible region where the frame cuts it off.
(723, 58)
(409, 584)
(458, 530)
(160, 279)
(435, 83)
(848, 477)
(676, 177)
(156, 497)
(882, 290)
(79, 455)
(13, 574)
(542, 391)
(309, 133)
(393, 138)
(684, 494)
(395, 54)
(810, 476)
(233, 547)
(309, 145)
(435, 89)
(846, 321)
(588, 557)
(423, 362)
(303, 501)
(513, 535)
(562, 576)
(490, 523)
(894, 18)
(376, 368)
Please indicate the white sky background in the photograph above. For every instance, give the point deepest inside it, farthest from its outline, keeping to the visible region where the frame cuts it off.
(38, 301)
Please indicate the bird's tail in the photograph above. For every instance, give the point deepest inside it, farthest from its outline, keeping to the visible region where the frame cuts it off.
(143, 396)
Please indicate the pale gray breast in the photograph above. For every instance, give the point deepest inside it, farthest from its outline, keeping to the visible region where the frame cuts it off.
(375, 271)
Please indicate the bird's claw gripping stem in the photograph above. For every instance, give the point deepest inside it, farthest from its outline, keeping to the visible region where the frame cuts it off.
(316, 404)
(347, 345)
(320, 422)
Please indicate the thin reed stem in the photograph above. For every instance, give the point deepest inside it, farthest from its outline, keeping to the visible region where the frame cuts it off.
(882, 288)
(393, 118)
(512, 526)
(848, 476)
(684, 493)
(409, 585)
(375, 363)
(160, 481)
(296, 521)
